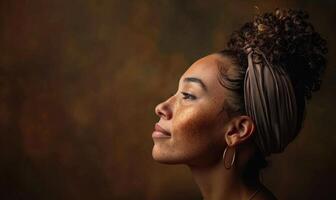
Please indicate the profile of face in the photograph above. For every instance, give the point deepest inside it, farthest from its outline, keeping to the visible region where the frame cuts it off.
(193, 122)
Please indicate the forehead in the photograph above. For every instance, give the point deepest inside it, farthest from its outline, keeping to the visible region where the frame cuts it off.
(207, 69)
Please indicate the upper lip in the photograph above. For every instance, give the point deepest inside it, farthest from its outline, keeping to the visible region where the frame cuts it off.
(160, 129)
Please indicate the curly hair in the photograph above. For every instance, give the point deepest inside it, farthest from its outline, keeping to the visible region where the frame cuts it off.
(289, 41)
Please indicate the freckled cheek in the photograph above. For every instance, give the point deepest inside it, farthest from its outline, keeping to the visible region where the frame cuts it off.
(191, 124)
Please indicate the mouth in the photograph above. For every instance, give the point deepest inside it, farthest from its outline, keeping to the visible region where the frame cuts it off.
(159, 132)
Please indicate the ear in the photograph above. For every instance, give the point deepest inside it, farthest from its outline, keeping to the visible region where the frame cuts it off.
(239, 130)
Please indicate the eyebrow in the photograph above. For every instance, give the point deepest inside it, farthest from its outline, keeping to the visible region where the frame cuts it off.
(196, 80)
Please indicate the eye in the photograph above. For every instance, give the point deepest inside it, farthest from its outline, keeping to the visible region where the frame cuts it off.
(188, 96)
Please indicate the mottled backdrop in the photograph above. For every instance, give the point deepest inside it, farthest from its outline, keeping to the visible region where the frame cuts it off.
(79, 81)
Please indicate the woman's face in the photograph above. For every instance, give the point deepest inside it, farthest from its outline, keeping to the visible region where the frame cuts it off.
(193, 117)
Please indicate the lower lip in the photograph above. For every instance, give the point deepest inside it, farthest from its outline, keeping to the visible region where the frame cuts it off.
(158, 134)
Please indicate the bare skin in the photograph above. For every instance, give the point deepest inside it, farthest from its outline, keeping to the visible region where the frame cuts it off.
(198, 130)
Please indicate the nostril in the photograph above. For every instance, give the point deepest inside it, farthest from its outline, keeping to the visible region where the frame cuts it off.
(158, 111)
(161, 114)
(162, 110)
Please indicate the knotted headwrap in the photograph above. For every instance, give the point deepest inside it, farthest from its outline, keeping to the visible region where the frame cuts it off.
(270, 102)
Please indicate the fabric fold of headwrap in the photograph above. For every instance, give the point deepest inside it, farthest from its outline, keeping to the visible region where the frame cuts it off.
(270, 101)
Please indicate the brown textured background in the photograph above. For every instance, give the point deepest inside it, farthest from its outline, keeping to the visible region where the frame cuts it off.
(79, 81)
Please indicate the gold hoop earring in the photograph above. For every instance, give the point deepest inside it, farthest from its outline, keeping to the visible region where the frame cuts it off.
(233, 158)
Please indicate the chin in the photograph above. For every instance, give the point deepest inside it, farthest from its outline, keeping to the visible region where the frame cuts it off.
(165, 158)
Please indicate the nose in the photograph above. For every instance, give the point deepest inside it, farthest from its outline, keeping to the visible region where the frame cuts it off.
(163, 110)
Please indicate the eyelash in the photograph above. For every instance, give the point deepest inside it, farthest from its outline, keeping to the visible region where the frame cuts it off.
(188, 96)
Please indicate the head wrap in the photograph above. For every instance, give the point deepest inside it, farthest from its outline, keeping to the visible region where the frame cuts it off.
(270, 101)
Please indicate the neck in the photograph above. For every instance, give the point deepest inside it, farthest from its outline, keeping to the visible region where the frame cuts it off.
(217, 183)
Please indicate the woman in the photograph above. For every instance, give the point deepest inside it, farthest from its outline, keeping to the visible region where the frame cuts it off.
(235, 107)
